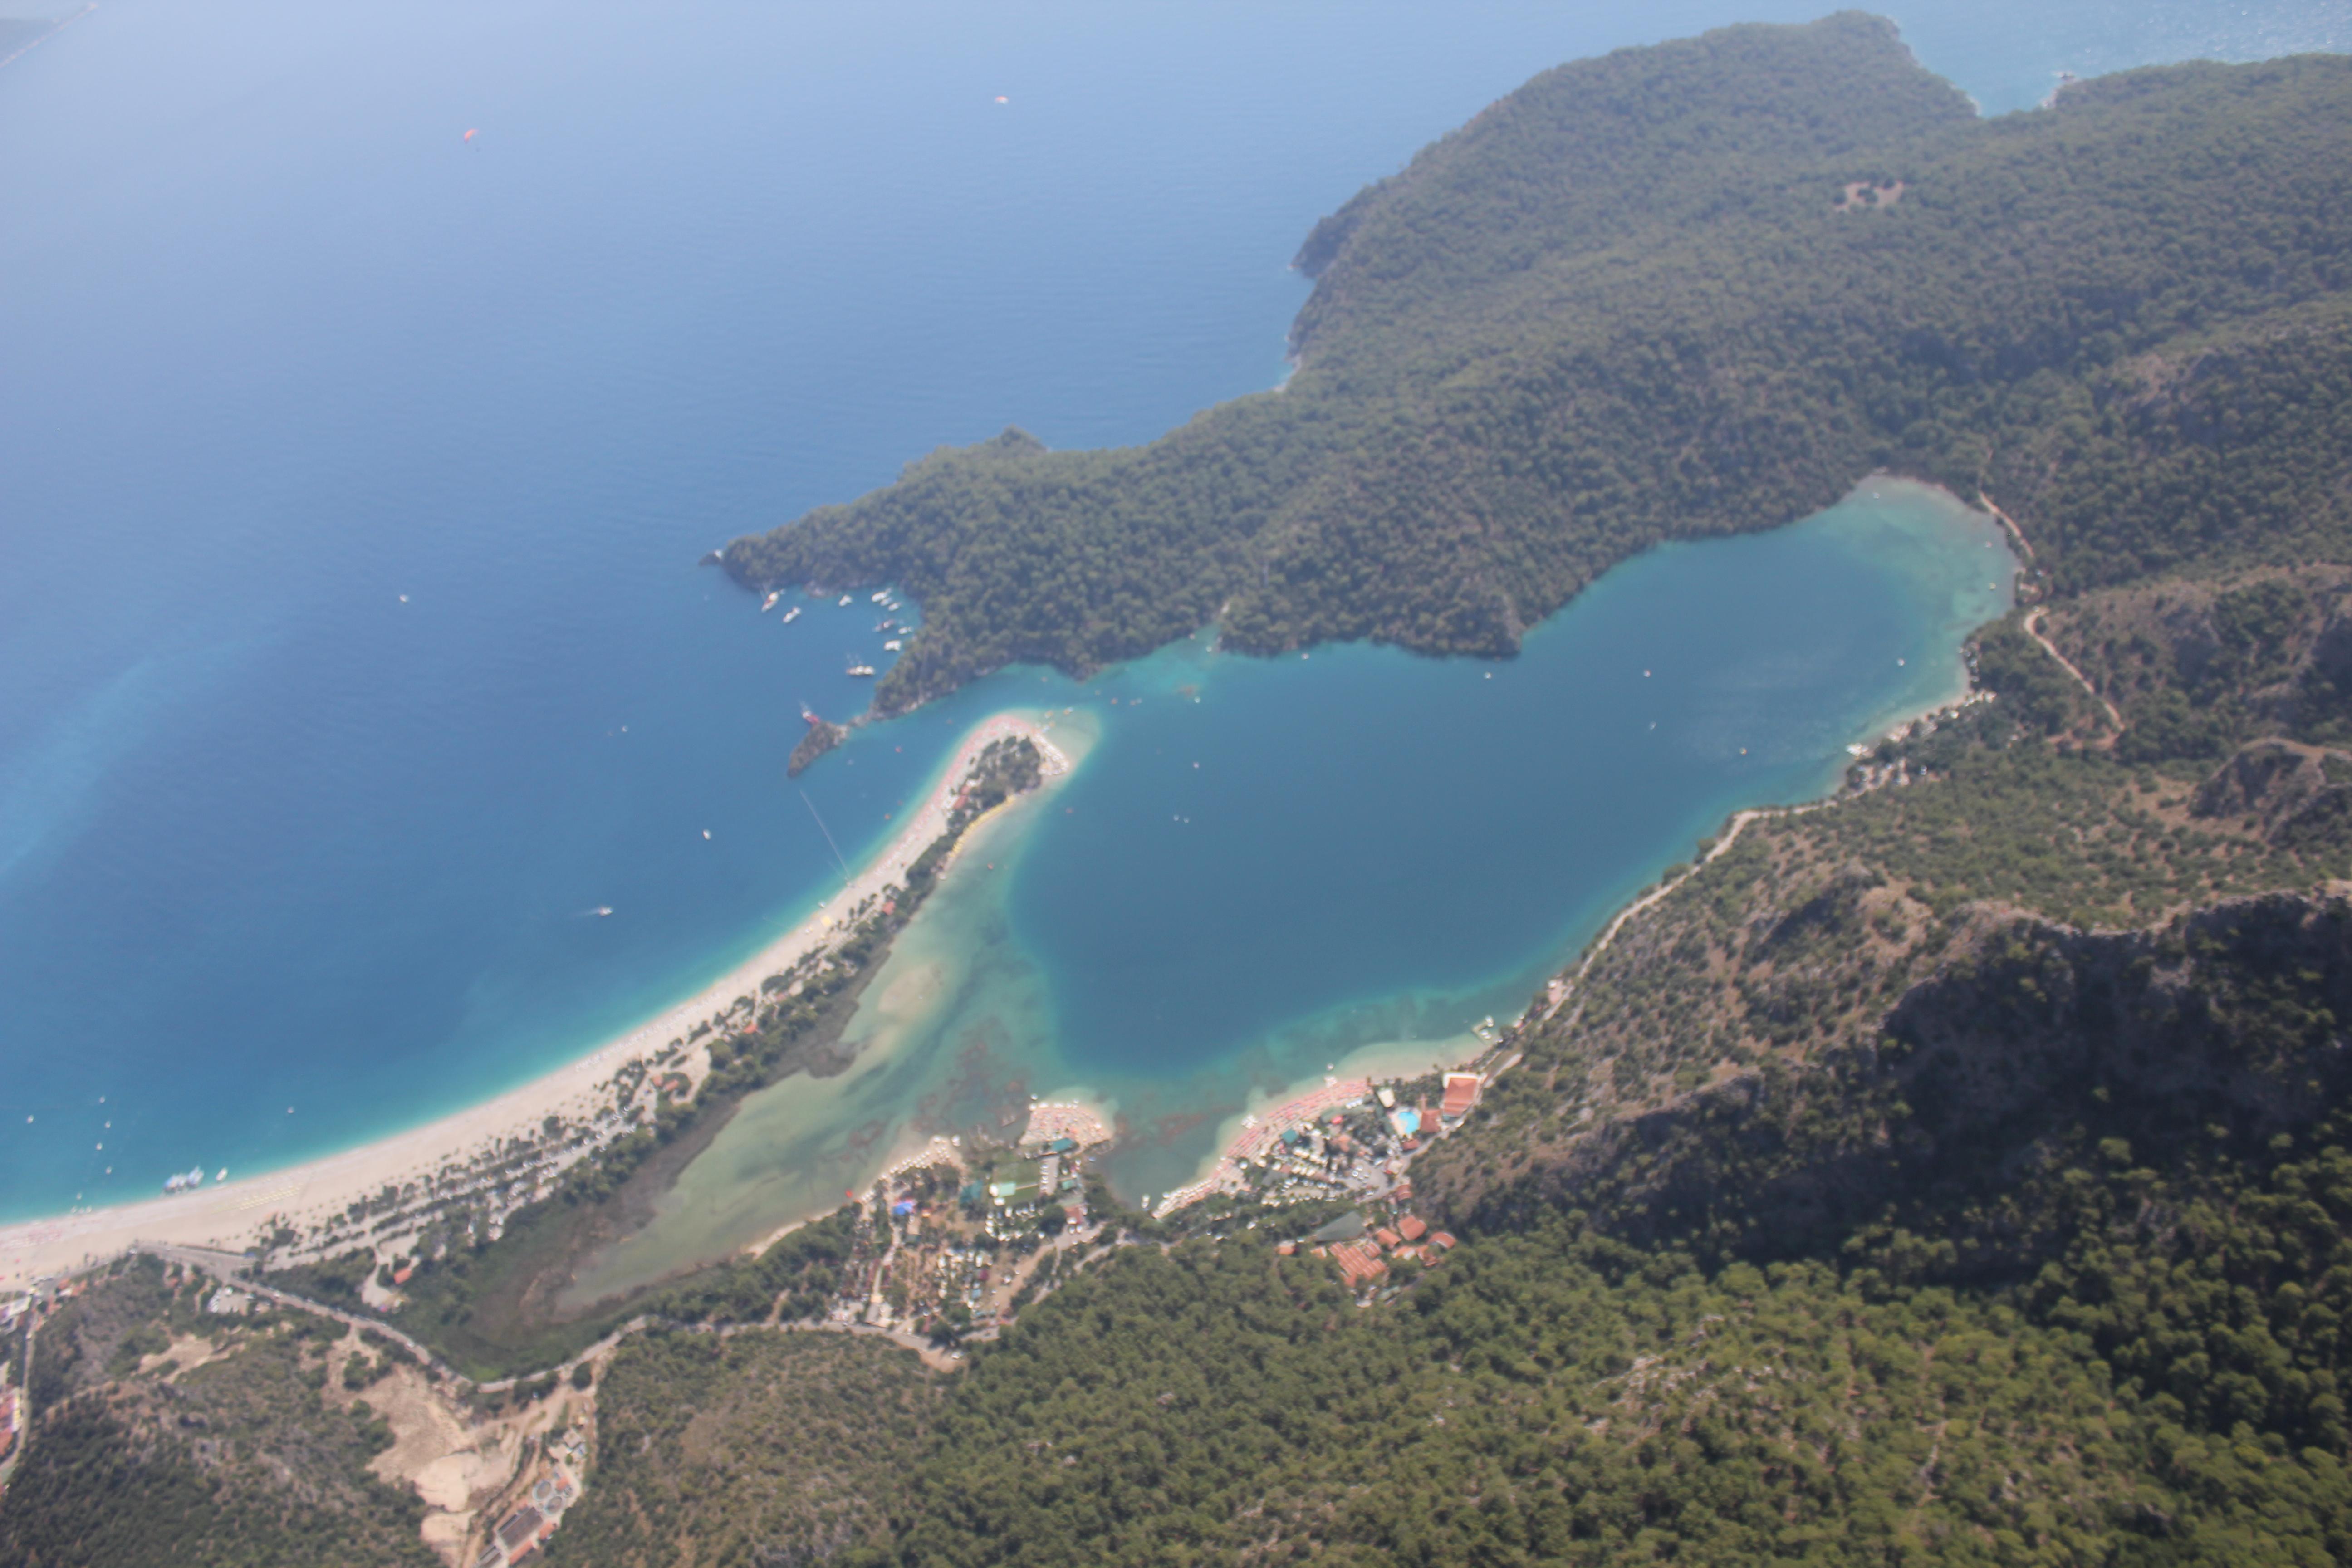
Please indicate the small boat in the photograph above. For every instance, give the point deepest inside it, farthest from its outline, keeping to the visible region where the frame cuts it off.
(859, 670)
(890, 647)
(879, 595)
(604, 911)
(790, 615)
(770, 602)
(845, 601)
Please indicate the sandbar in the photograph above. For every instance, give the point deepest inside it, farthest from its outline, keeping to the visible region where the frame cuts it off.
(237, 1213)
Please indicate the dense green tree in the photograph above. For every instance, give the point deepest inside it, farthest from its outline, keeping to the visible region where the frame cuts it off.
(1637, 300)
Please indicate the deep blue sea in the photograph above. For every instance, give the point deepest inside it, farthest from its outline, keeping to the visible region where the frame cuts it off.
(353, 650)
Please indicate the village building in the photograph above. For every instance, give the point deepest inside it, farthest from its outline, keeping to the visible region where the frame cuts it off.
(1461, 1094)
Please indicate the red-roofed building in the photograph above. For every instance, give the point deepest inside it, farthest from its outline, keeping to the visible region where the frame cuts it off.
(1359, 1261)
(1461, 1094)
(522, 1527)
(1387, 1237)
(1411, 1228)
(1442, 1240)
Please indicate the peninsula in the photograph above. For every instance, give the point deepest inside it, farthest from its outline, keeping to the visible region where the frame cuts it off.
(1643, 298)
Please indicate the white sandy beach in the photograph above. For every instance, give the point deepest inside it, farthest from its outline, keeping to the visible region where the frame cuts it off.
(1266, 1111)
(234, 1214)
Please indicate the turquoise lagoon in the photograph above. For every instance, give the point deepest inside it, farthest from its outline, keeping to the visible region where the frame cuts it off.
(1264, 868)
(352, 654)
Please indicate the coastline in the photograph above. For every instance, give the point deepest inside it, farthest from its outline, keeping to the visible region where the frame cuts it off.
(234, 1214)
(759, 1175)
(453, 1147)
(1239, 1134)
(1268, 1112)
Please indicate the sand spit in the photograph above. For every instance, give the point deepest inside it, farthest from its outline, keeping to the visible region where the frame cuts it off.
(237, 1213)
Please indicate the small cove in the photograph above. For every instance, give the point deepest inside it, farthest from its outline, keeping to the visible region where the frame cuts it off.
(1263, 867)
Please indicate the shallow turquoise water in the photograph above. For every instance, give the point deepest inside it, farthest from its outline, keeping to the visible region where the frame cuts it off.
(1424, 825)
(1263, 866)
(283, 347)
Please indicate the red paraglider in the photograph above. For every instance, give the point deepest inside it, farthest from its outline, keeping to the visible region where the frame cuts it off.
(468, 136)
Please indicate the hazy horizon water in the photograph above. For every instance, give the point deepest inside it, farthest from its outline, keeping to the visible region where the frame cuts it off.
(355, 651)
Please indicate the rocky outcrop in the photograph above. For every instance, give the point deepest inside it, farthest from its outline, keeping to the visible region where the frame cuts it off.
(2035, 1048)
(2284, 788)
(823, 736)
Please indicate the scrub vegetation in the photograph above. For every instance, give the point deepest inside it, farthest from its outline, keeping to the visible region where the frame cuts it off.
(1959, 1173)
(772, 1448)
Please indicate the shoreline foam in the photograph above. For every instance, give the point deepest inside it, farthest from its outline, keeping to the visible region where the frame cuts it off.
(236, 1213)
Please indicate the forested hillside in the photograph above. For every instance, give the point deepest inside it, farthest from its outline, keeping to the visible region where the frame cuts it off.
(1685, 290)
(1958, 1171)
(759, 1448)
(1833, 1220)
(1955, 1173)
(2056, 1272)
